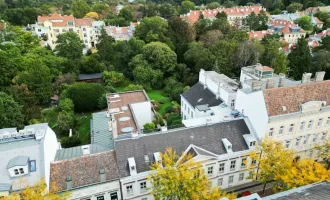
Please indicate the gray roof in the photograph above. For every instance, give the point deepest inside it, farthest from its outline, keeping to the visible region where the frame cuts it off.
(315, 191)
(205, 137)
(75, 152)
(4, 187)
(90, 76)
(197, 95)
(18, 161)
(100, 133)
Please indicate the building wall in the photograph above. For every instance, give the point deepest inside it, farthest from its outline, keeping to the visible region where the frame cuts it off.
(187, 111)
(301, 140)
(50, 146)
(253, 106)
(293, 37)
(99, 190)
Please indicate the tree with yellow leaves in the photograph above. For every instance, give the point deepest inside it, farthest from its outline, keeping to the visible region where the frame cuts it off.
(302, 172)
(271, 159)
(92, 15)
(36, 192)
(181, 178)
(325, 152)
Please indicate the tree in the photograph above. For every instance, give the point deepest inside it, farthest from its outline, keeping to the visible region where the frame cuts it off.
(246, 54)
(173, 89)
(100, 8)
(271, 50)
(213, 5)
(11, 112)
(294, 7)
(181, 178)
(210, 37)
(105, 46)
(280, 63)
(147, 77)
(69, 45)
(152, 29)
(37, 191)
(324, 152)
(303, 172)
(126, 14)
(65, 120)
(113, 78)
(80, 8)
(256, 22)
(187, 6)
(300, 59)
(92, 15)
(67, 142)
(84, 95)
(229, 4)
(66, 105)
(90, 64)
(132, 87)
(272, 159)
(324, 44)
(305, 22)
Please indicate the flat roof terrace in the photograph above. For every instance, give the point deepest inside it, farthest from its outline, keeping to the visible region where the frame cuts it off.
(122, 117)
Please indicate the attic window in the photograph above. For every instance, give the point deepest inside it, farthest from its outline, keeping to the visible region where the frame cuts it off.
(68, 178)
(21, 170)
(146, 159)
(102, 171)
(283, 108)
(16, 172)
(229, 147)
(199, 100)
(252, 143)
(132, 167)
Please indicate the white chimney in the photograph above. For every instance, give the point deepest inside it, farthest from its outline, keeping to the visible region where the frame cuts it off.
(86, 150)
(319, 76)
(306, 78)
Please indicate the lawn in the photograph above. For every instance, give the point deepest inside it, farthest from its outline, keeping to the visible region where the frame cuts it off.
(157, 95)
(83, 127)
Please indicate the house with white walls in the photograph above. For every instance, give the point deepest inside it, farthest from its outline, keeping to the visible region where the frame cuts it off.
(222, 149)
(295, 113)
(26, 156)
(210, 100)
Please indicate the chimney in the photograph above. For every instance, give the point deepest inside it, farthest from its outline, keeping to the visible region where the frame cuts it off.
(270, 83)
(228, 145)
(256, 85)
(306, 78)
(319, 76)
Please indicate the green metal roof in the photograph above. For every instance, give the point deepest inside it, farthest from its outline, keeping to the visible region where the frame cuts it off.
(74, 152)
(100, 133)
(18, 161)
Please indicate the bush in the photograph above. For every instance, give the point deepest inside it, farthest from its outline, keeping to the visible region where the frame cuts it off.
(67, 142)
(162, 100)
(155, 104)
(160, 119)
(103, 103)
(173, 89)
(132, 87)
(173, 119)
(149, 127)
(169, 109)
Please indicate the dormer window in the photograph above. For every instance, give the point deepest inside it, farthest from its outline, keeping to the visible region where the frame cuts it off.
(252, 143)
(21, 170)
(16, 172)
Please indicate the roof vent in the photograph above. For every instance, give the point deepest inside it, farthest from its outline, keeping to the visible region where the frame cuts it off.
(132, 166)
(146, 159)
(228, 145)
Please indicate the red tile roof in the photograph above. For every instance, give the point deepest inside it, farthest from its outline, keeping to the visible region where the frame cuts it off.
(84, 22)
(293, 97)
(193, 15)
(56, 16)
(259, 34)
(286, 24)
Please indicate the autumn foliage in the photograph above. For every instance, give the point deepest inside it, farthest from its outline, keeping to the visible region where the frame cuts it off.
(182, 178)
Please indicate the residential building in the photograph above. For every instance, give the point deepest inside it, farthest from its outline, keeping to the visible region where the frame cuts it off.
(222, 149)
(87, 172)
(295, 113)
(128, 112)
(26, 156)
(100, 132)
(314, 10)
(314, 40)
(235, 15)
(210, 100)
(121, 33)
(314, 191)
(294, 16)
(51, 26)
(258, 35)
(96, 77)
(291, 32)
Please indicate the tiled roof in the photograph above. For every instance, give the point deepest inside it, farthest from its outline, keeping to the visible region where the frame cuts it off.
(84, 170)
(100, 133)
(193, 15)
(293, 97)
(56, 16)
(198, 95)
(258, 35)
(208, 138)
(286, 25)
(84, 22)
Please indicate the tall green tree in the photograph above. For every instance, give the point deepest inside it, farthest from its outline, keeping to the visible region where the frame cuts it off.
(293, 7)
(11, 112)
(305, 22)
(256, 22)
(187, 6)
(69, 45)
(271, 50)
(105, 46)
(126, 14)
(80, 8)
(300, 59)
(280, 63)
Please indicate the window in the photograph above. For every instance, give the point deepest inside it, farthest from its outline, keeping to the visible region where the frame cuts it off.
(33, 166)
(129, 190)
(243, 163)
(210, 171)
(314, 138)
(287, 144)
(291, 128)
(85, 35)
(39, 30)
(70, 23)
(221, 167)
(271, 132)
(232, 104)
(84, 29)
(188, 110)
(324, 135)
(231, 179)
(302, 126)
(253, 162)
(57, 30)
(232, 165)
(145, 198)
(310, 124)
(100, 198)
(328, 121)
(241, 177)
(192, 114)
(310, 153)
(143, 186)
(185, 106)
(220, 180)
(252, 143)
(63, 30)
(297, 142)
(71, 29)
(319, 123)
(16, 172)
(280, 132)
(306, 139)
(21, 170)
